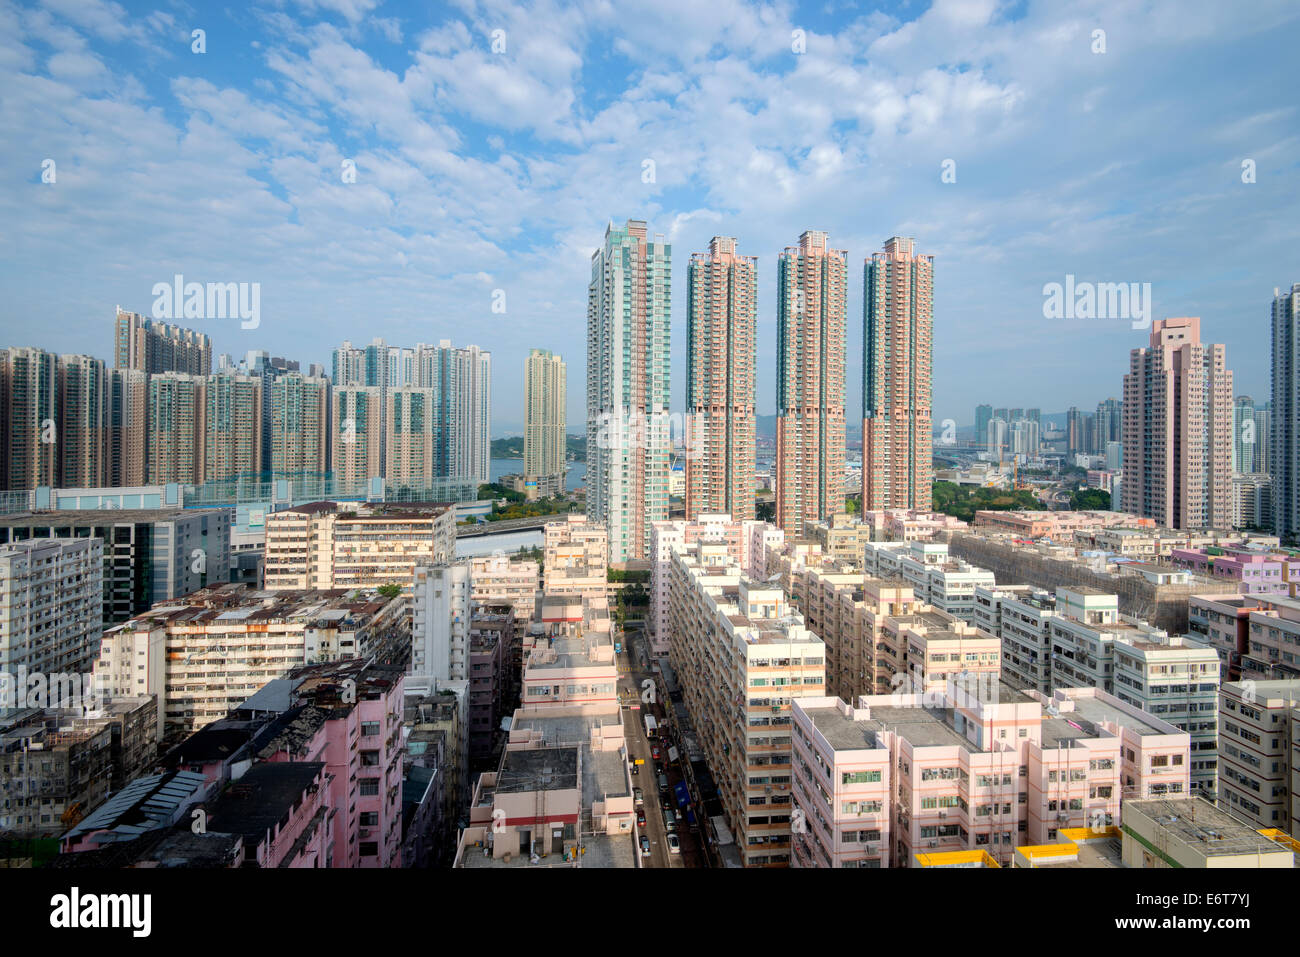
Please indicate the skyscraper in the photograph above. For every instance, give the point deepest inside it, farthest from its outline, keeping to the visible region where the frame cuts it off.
(415, 438)
(628, 442)
(82, 434)
(1107, 425)
(232, 428)
(29, 418)
(983, 416)
(545, 395)
(176, 410)
(1178, 428)
(1246, 444)
(128, 428)
(721, 333)
(461, 407)
(153, 347)
(898, 317)
(349, 365)
(1284, 410)
(357, 430)
(300, 434)
(811, 318)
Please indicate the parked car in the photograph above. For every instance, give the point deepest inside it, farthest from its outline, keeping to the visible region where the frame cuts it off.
(674, 845)
(645, 846)
(640, 817)
(670, 820)
(655, 752)
(639, 796)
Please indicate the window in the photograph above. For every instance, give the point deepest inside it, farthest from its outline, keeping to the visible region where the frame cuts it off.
(369, 787)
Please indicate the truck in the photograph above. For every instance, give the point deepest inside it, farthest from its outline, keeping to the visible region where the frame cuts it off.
(651, 726)
(683, 796)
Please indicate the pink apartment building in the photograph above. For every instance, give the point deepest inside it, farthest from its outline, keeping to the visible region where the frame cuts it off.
(281, 812)
(352, 723)
(901, 775)
(721, 331)
(1250, 571)
(1177, 430)
(812, 291)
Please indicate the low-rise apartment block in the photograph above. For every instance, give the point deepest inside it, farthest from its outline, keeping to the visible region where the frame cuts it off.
(203, 654)
(901, 775)
(575, 558)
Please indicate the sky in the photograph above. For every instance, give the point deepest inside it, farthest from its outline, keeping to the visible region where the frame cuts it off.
(493, 142)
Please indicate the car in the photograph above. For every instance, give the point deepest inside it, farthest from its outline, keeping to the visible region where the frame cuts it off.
(640, 817)
(674, 845)
(666, 801)
(633, 768)
(655, 752)
(670, 820)
(645, 846)
(659, 768)
(639, 796)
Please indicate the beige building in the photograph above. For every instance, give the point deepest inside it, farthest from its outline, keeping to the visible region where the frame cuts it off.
(748, 656)
(154, 347)
(575, 558)
(842, 537)
(333, 545)
(1194, 833)
(545, 435)
(1259, 751)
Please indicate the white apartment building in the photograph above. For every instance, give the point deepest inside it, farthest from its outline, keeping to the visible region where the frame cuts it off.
(441, 606)
(205, 653)
(333, 545)
(1258, 751)
(51, 605)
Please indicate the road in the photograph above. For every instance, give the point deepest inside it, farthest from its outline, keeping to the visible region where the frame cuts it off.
(633, 673)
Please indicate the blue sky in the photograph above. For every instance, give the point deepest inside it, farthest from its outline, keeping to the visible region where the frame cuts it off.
(480, 170)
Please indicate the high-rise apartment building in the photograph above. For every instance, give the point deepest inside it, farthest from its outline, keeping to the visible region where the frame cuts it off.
(1178, 429)
(29, 418)
(897, 350)
(82, 433)
(983, 416)
(545, 438)
(349, 365)
(628, 442)
(811, 316)
(1284, 409)
(127, 420)
(722, 336)
(1107, 425)
(1250, 437)
(232, 428)
(415, 438)
(357, 437)
(300, 432)
(153, 347)
(177, 405)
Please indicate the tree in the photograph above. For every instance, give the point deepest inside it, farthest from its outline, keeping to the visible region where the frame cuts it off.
(1090, 499)
(391, 590)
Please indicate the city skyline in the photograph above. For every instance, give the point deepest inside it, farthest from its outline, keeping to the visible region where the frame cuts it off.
(518, 155)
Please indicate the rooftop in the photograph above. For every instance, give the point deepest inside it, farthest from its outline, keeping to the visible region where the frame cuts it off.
(1199, 823)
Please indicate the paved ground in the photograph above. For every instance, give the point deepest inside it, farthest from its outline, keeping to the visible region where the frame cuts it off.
(633, 671)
